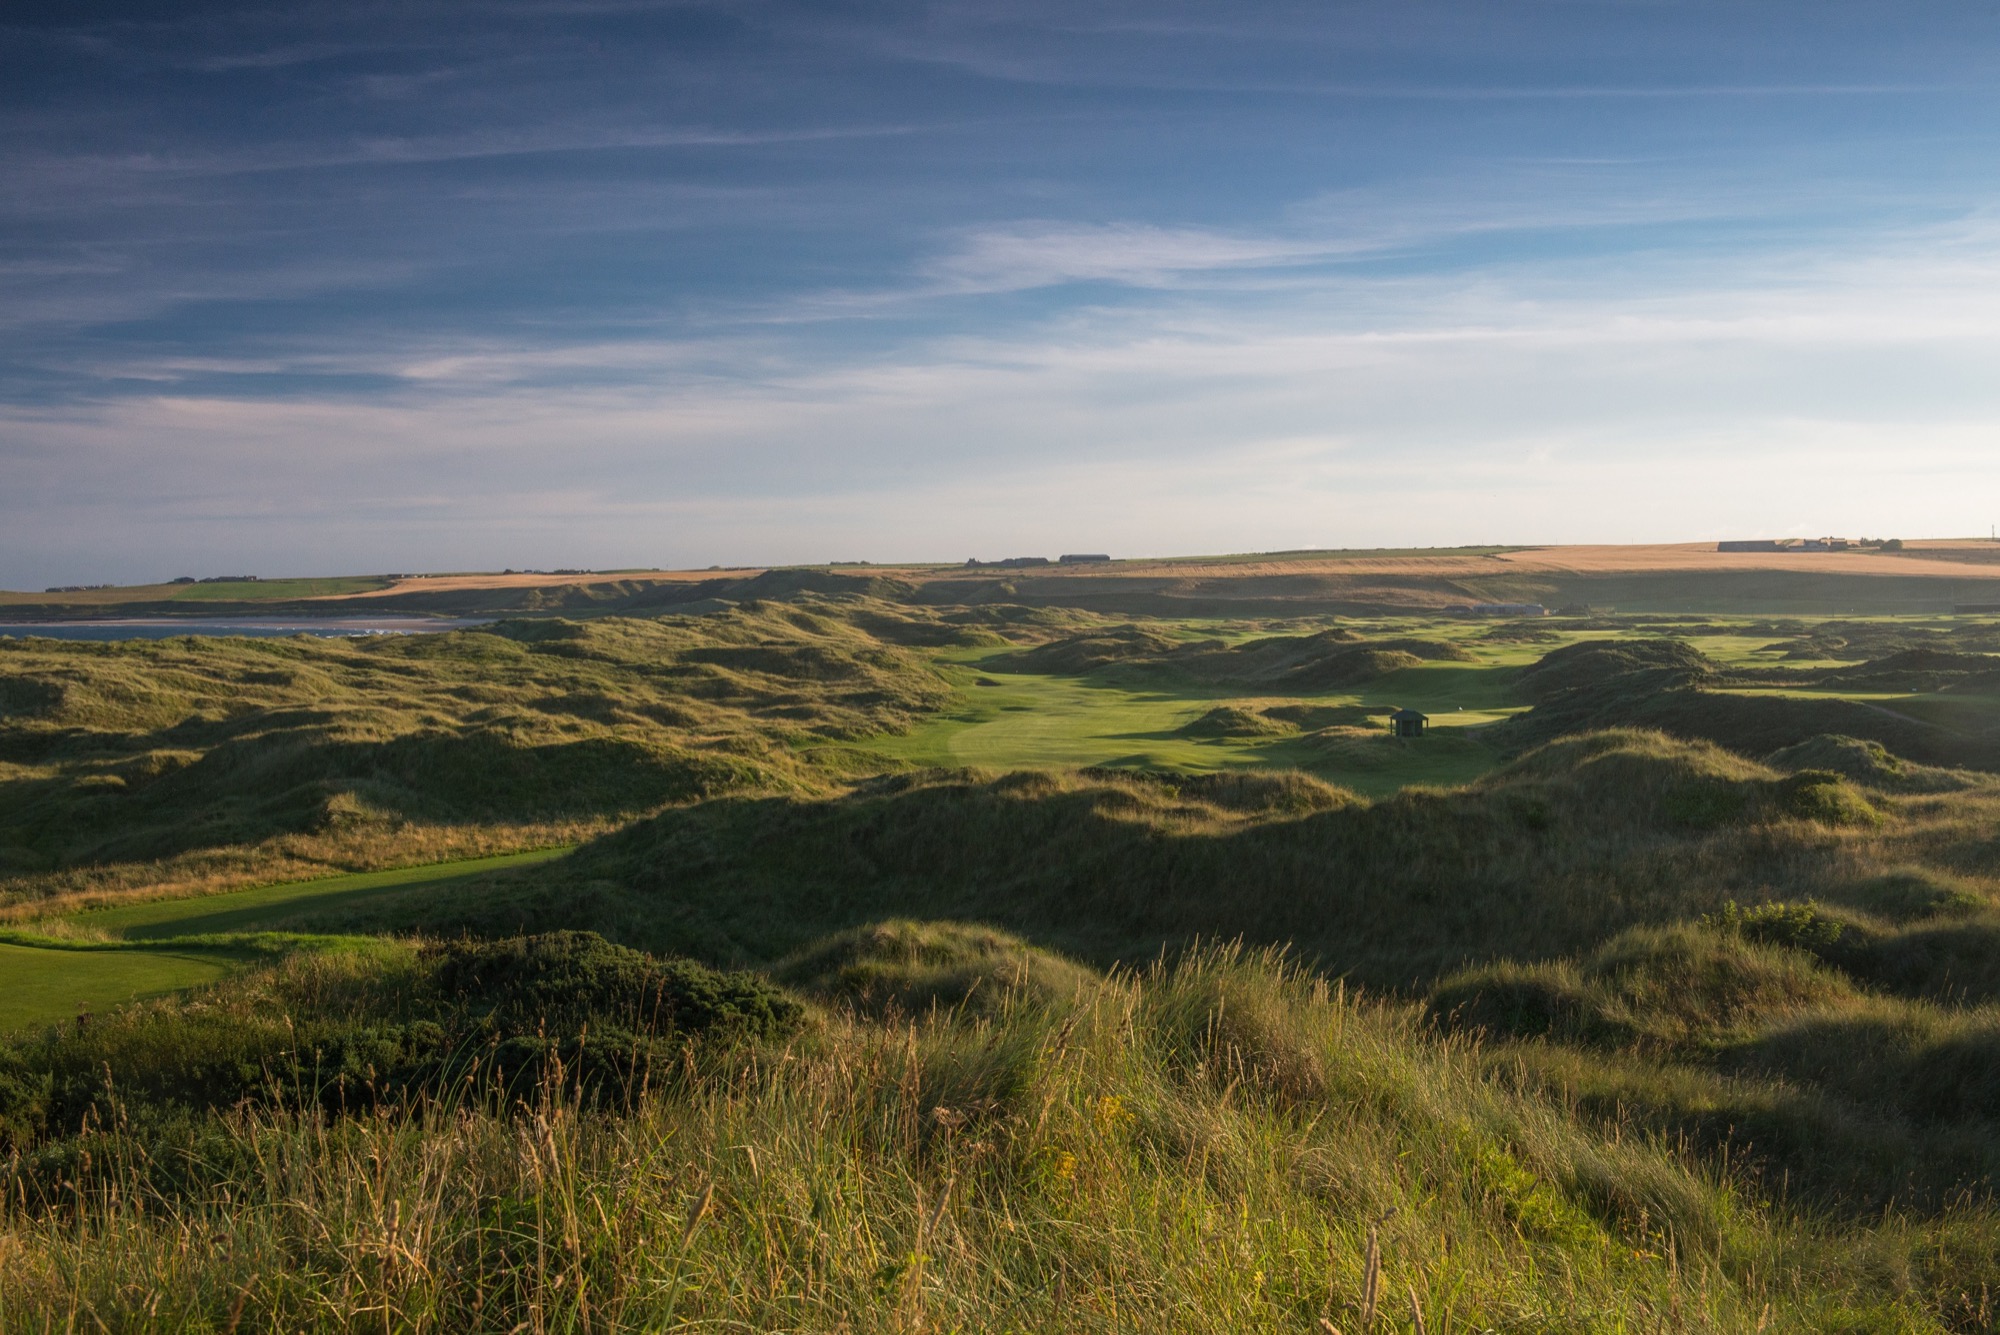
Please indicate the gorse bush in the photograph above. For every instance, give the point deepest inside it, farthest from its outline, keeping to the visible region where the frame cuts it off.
(1802, 926)
(500, 1015)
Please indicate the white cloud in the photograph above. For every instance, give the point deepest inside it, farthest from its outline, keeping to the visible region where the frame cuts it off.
(1043, 254)
(1855, 391)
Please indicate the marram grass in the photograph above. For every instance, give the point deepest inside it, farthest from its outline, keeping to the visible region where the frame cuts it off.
(1204, 1147)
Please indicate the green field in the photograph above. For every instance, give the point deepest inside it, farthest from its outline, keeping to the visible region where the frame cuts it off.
(46, 984)
(40, 984)
(1023, 721)
(279, 590)
(272, 906)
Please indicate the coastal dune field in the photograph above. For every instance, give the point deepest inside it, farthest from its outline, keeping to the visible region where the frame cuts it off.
(1205, 945)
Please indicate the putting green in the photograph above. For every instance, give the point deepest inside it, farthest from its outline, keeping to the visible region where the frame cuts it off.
(1022, 721)
(268, 906)
(41, 986)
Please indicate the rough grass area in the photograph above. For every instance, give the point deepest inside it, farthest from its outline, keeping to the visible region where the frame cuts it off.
(171, 755)
(1219, 1144)
(1201, 1004)
(1551, 855)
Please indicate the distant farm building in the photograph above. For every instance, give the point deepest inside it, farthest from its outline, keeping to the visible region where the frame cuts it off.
(1791, 545)
(1409, 723)
(1499, 610)
(1083, 559)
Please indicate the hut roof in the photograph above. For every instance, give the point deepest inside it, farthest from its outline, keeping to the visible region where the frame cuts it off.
(1410, 713)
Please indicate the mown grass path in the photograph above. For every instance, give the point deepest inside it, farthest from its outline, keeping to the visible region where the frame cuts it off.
(41, 984)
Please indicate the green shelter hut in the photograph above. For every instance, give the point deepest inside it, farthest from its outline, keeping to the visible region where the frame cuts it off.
(1409, 723)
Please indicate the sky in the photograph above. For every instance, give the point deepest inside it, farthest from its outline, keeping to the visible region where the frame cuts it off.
(363, 287)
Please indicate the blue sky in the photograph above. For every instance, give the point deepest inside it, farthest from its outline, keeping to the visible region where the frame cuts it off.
(291, 289)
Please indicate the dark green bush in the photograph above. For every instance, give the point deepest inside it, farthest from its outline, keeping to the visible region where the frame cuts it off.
(506, 1013)
(1824, 796)
(569, 979)
(1801, 926)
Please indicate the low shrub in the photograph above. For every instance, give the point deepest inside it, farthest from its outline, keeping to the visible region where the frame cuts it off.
(911, 967)
(502, 1015)
(1824, 796)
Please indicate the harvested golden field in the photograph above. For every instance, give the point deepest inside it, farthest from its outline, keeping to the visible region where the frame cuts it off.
(1963, 558)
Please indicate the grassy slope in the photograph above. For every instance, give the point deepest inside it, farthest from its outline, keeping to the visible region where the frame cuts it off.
(211, 761)
(50, 980)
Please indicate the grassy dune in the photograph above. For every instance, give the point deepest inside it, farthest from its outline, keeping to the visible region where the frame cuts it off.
(209, 761)
(1220, 1144)
(1096, 976)
(1548, 856)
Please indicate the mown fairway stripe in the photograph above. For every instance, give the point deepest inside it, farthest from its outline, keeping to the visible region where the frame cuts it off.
(43, 986)
(242, 910)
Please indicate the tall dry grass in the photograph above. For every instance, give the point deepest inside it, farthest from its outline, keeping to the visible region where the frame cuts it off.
(1209, 1146)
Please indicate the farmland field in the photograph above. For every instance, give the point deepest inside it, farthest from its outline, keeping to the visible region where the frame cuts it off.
(278, 589)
